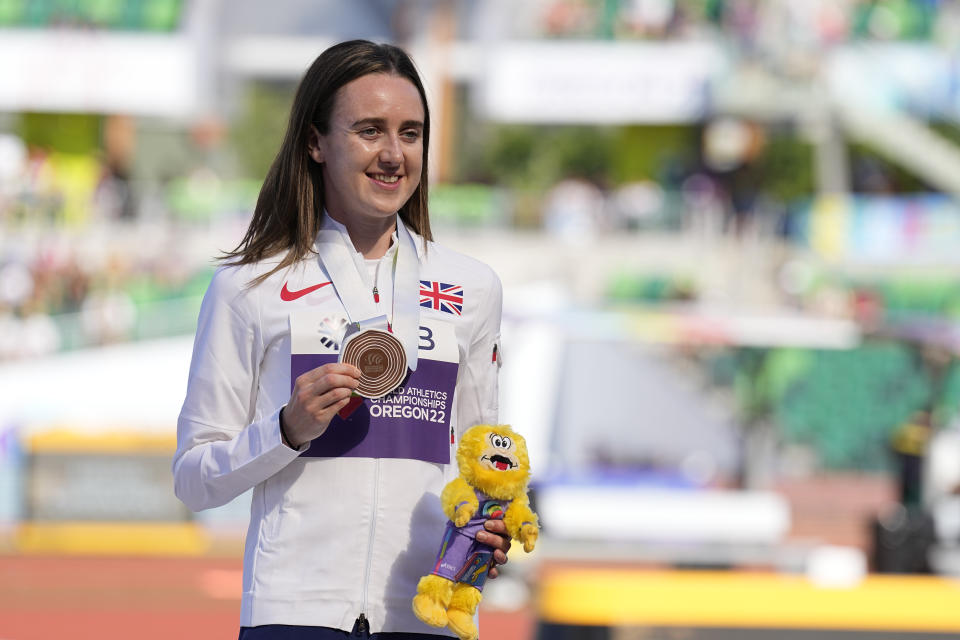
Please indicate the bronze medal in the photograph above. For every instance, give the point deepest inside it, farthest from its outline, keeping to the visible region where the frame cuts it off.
(381, 360)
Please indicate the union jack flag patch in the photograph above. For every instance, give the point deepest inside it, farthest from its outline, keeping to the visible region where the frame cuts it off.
(441, 297)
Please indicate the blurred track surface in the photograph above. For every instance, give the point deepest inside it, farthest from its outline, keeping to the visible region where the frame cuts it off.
(111, 598)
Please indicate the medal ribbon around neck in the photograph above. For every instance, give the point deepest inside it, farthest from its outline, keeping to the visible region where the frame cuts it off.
(336, 254)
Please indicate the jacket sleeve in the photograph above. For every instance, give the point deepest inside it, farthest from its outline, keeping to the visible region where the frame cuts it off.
(221, 450)
(479, 391)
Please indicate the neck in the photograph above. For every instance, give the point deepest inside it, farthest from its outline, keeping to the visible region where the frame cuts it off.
(371, 238)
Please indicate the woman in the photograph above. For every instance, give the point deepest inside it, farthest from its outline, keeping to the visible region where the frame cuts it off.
(345, 513)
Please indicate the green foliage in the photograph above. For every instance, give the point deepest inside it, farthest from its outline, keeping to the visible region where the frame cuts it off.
(906, 295)
(539, 156)
(787, 166)
(845, 404)
(647, 152)
(134, 15)
(510, 154)
(780, 371)
(103, 11)
(161, 15)
(900, 19)
(948, 402)
(205, 198)
(74, 133)
(634, 287)
(897, 179)
(848, 402)
(721, 364)
(11, 12)
(470, 204)
(257, 132)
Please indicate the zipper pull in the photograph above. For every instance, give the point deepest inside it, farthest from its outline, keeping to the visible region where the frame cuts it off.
(362, 625)
(376, 294)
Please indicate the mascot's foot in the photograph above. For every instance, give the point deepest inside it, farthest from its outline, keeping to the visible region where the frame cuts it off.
(430, 603)
(429, 611)
(461, 623)
(463, 604)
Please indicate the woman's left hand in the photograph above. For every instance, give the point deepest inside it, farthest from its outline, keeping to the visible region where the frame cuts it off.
(495, 535)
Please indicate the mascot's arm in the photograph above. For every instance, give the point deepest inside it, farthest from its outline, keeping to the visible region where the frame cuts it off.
(521, 522)
(459, 501)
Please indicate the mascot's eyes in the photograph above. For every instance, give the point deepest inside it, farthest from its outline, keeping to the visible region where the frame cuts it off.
(500, 442)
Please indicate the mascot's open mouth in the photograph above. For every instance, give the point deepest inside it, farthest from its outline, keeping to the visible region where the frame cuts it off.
(502, 462)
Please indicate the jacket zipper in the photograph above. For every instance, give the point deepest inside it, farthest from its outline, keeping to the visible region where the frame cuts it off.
(362, 620)
(362, 625)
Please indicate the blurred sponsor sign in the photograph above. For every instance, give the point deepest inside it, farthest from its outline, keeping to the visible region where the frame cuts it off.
(747, 605)
(918, 229)
(76, 71)
(104, 493)
(74, 476)
(135, 387)
(604, 83)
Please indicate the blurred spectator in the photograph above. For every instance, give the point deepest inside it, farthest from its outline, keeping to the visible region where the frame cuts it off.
(573, 209)
(108, 316)
(62, 290)
(909, 445)
(16, 284)
(702, 202)
(637, 204)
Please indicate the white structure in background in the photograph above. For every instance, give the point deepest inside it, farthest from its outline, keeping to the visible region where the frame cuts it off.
(597, 82)
(86, 71)
(130, 387)
(941, 486)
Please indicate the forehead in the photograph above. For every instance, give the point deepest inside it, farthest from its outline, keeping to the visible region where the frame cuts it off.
(378, 95)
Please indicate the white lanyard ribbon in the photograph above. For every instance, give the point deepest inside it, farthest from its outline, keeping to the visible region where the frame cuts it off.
(336, 254)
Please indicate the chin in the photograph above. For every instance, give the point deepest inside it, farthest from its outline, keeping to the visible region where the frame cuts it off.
(387, 209)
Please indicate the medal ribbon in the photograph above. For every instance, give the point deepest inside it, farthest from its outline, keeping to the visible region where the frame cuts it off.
(406, 306)
(336, 254)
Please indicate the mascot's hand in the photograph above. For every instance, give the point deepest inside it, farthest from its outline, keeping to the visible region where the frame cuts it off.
(528, 536)
(462, 514)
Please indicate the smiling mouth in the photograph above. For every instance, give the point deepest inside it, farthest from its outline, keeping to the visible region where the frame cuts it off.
(502, 462)
(380, 177)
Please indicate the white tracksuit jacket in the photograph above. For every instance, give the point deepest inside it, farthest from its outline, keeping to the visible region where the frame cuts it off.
(330, 536)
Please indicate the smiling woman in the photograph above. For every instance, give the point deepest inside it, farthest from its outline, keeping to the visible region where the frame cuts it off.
(338, 269)
(371, 152)
(351, 93)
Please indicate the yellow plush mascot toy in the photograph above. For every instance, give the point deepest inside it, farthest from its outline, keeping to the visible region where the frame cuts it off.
(494, 470)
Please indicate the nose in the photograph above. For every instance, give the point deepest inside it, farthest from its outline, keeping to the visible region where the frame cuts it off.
(391, 152)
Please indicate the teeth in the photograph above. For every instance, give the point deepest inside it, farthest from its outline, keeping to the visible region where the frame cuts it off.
(387, 179)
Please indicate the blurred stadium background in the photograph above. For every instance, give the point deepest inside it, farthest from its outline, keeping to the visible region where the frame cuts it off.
(728, 232)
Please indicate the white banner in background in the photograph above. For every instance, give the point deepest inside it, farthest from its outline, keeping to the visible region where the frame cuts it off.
(598, 82)
(51, 70)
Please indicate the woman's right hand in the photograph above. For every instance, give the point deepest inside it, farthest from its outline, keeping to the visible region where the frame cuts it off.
(317, 396)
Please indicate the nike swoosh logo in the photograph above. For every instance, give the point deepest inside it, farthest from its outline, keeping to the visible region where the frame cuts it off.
(289, 296)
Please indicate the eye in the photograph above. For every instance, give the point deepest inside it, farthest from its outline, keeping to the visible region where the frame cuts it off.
(411, 136)
(369, 132)
(507, 443)
(496, 441)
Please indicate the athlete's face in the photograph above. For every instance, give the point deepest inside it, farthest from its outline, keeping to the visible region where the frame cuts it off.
(372, 153)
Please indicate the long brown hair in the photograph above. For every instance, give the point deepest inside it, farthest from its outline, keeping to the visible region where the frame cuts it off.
(290, 206)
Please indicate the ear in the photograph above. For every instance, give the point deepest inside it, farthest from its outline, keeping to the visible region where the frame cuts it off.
(315, 145)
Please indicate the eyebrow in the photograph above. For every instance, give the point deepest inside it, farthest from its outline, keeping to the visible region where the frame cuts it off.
(380, 122)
